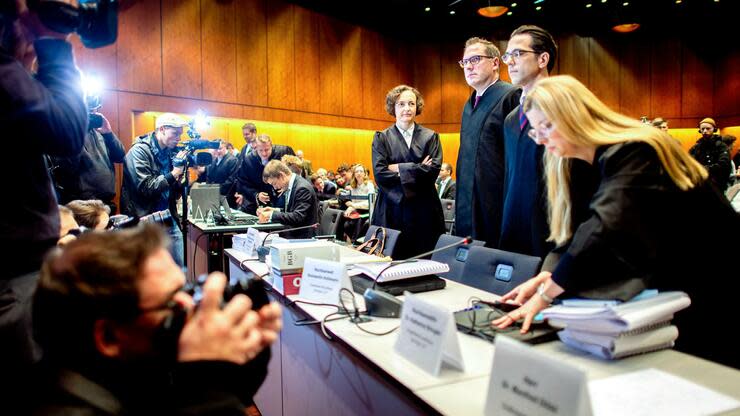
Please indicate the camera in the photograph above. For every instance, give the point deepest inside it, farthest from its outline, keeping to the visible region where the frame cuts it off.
(163, 217)
(198, 159)
(254, 288)
(96, 21)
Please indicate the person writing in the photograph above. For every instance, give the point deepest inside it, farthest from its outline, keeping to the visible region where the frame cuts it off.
(650, 218)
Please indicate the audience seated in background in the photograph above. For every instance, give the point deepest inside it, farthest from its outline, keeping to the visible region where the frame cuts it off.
(121, 337)
(660, 123)
(713, 151)
(305, 163)
(324, 189)
(92, 214)
(359, 185)
(343, 176)
(615, 254)
(445, 184)
(68, 227)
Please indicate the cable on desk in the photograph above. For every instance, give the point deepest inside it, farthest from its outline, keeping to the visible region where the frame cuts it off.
(358, 313)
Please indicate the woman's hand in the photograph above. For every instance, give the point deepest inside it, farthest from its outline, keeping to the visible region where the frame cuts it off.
(393, 167)
(526, 295)
(427, 161)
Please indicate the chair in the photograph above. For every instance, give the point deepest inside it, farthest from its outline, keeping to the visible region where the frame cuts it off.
(331, 222)
(448, 209)
(498, 271)
(455, 257)
(391, 238)
(323, 205)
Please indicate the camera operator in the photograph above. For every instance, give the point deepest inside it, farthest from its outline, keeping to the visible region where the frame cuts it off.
(151, 182)
(46, 113)
(121, 337)
(90, 174)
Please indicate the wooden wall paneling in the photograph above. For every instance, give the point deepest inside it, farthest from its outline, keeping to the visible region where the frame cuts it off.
(634, 79)
(330, 77)
(574, 57)
(219, 50)
(393, 70)
(604, 70)
(727, 85)
(251, 52)
(455, 91)
(697, 84)
(373, 95)
(139, 44)
(281, 63)
(427, 78)
(307, 62)
(181, 49)
(503, 69)
(665, 78)
(100, 63)
(351, 70)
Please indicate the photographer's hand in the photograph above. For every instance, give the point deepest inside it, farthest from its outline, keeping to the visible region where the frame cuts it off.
(229, 334)
(106, 125)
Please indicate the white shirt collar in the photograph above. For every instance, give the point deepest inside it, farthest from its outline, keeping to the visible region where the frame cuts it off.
(407, 134)
(486, 89)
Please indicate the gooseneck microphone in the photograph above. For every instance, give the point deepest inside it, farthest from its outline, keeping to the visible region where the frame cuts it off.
(262, 250)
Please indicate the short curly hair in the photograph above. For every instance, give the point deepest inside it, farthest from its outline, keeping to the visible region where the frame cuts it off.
(395, 92)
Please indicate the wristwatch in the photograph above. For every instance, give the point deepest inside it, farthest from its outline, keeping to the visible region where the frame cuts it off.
(541, 292)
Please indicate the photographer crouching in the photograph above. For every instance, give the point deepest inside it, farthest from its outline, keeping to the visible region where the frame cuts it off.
(120, 336)
(151, 182)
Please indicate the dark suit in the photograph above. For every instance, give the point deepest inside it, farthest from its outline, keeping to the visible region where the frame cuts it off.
(480, 163)
(330, 191)
(449, 191)
(249, 181)
(302, 209)
(222, 173)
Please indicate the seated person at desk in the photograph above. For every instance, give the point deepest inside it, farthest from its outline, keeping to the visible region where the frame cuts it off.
(652, 219)
(360, 185)
(120, 336)
(324, 189)
(301, 206)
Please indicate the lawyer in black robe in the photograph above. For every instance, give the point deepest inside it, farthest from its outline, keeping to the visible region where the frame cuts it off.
(407, 200)
(480, 163)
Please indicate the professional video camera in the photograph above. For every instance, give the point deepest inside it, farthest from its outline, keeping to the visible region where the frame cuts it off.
(197, 159)
(96, 21)
(163, 217)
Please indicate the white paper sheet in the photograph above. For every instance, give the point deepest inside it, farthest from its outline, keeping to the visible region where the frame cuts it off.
(653, 392)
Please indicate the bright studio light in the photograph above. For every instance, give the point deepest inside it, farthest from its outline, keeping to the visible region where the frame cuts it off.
(92, 85)
(201, 120)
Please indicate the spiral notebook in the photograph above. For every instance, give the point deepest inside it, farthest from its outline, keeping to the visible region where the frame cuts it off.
(647, 339)
(390, 271)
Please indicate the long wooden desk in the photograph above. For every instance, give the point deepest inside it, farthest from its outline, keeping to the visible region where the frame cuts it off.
(360, 374)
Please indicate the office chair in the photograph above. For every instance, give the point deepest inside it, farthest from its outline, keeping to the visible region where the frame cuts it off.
(498, 271)
(391, 237)
(448, 209)
(331, 222)
(454, 257)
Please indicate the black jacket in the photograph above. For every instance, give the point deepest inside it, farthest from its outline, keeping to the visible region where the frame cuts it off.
(449, 191)
(90, 174)
(222, 173)
(148, 184)
(47, 116)
(714, 154)
(302, 209)
(480, 163)
(644, 232)
(248, 178)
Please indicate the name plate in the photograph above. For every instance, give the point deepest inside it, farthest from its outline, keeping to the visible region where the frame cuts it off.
(525, 381)
(322, 281)
(251, 241)
(428, 336)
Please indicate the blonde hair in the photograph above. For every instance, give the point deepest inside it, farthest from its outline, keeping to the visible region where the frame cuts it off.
(353, 182)
(583, 120)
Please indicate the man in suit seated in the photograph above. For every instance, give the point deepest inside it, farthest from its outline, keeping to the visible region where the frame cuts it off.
(325, 189)
(251, 189)
(445, 184)
(301, 206)
(221, 171)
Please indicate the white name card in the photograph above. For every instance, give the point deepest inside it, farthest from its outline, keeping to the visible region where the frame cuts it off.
(525, 381)
(428, 336)
(322, 280)
(250, 243)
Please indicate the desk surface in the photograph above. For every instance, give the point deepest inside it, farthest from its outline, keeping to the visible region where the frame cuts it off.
(444, 392)
(211, 228)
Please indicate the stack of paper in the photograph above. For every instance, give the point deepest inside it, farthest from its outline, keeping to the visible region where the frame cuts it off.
(616, 331)
(388, 271)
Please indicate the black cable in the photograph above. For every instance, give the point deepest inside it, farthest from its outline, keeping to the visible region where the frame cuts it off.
(358, 313)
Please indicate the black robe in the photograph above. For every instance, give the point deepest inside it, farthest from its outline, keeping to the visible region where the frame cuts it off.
(407, 200)
(480, 163)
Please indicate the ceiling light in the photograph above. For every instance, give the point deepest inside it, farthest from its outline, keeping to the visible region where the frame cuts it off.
(538, 8)
(492, 11)
(426, 9)
(603, 1)
(588, 6)
(626, 27)
(626, 3)
(509, 13)
(452, 12)
(513, 4)
(678, 2)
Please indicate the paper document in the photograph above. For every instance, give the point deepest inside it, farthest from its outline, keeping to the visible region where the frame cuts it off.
(653, 392)
(611, 347)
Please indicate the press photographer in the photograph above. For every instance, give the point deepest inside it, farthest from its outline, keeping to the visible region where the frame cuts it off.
(46, 113)
(120, 335)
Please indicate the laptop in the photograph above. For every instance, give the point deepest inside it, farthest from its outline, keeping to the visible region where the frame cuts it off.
(203, 198)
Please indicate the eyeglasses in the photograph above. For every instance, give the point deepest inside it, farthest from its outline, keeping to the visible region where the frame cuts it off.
(515, 54)
(475, 60)
(543, 131)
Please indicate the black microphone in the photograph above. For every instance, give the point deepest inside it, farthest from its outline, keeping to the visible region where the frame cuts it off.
(381, 304)
(262, 250)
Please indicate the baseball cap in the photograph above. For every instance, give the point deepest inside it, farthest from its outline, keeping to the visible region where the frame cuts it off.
(170, 120)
